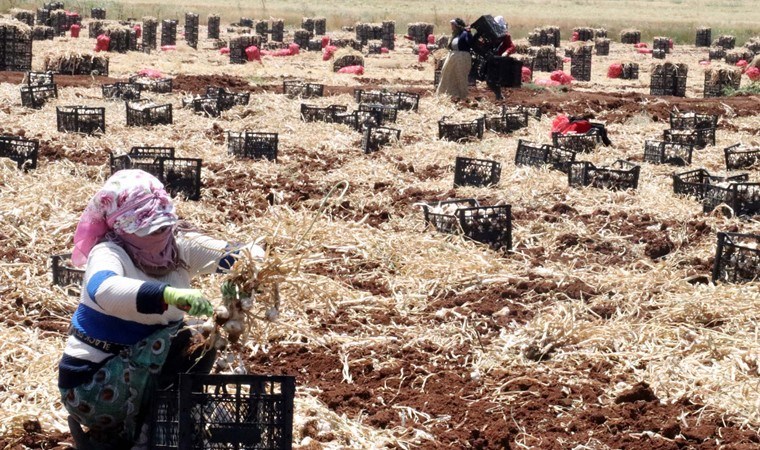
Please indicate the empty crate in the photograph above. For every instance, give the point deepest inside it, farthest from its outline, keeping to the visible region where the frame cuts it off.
(507, 122)
(537, 155)
(577, 142)
(243, 412)
(658, 152)
(302, 89)
(65, 274)
(249, 144)
(476, 172)
(142, 113)
(619, 176)
(122, 91)
(490, 225)
(740, 157)
(35, 96)
(737, 258)
(460, 131)
(375, 137)
(81, 119)
(22, 151)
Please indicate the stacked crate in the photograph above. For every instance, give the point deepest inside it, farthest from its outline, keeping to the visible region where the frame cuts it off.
(168, 32)
(191, 29)
(213, 26)
(388, 37)
(15, 47)
(149, 33)
(580, 62)
(704, 37)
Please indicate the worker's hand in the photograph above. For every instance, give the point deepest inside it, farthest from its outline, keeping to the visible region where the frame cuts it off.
(189, 300)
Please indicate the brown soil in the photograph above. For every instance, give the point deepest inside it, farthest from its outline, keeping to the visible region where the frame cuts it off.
(197, 84)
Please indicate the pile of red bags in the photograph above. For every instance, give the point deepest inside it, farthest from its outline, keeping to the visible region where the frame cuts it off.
(753, 73)
(422, 53)
(561, 77)
(743, 64)
(102, 43)
(328, 52)
(252, 53)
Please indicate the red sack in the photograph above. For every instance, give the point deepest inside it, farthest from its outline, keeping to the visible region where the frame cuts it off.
(640, 45)
(422, 53)
(561, 77)
(562, 124)
(527, 75)
(615, 70)
(704, 62)
(545, 82)
(328, 52)
(75, 30)
(102, 43)
(383, 50)
(138, 30)
(742, 63)
(279, 52)
(252, 53)
(753, 73)
(224, 50)
(150, 73)
(575, 37)
(168, 48)
(644, 51)
(670, 42)
(294, 48)
(431, 39)
(355, 70)
(325, 41)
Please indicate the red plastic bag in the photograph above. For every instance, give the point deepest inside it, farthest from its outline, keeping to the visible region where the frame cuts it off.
(150, 73)
(615, 70)
(562, 124)
(168, 48)
(545, 82)
(224, 50)
(561, 77)
(644, 51)
(75, 30)
(252, 53)
(753, 73)
(640, 45)
(383, 50)
(575, 36)
(102, 43)
(704, 62)
(527, 75)
(670, 43)
(138, 30)
(294, 48)
(742, 63)
(355, 70)
(325, 41)
(431, 39)
(422, 53)
(327, 52)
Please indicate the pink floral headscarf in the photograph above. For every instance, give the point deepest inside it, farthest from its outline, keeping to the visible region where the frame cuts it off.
(130, 201)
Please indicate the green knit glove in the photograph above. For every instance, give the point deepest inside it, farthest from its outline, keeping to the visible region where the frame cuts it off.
(189, 300)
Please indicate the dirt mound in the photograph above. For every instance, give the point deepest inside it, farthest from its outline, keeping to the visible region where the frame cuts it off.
(197, 84)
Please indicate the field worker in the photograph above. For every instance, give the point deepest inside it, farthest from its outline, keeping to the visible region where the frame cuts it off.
(127, 337)
(456, 68)
(506, 46)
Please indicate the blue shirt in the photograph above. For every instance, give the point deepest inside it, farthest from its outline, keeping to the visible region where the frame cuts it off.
(464, 41)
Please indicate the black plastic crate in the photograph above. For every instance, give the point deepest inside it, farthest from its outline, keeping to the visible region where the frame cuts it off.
(694, 182)
(673, 83)
(39, 78)
(182, 177)
(742, 198)
(740, 157)
(213, 27)
(658, 152)
(254, 145)
(375, 137)
(476, 172)
(507, 122)
(98, 13)
(359, 120)
(692, 121)
(23, 151)
(220, 412)
(461, 131)
(537, 155)
(490, 225)
(210, 106)
(408, 101)
(312, 113)
(152, 152)
(168, 32)
(302, 89)
(737, 258)
(80, 119)
(703, 37)
(577, 142)
(142, 113)
(621, 175)
(157, 85)
(376, 97)
(489, 32)
(65, 274)
(533, 111)
(37, 95)
(630, 71)
(142, 158)
(388, 112)
(699, 138)
(228, 99)
(122, 91)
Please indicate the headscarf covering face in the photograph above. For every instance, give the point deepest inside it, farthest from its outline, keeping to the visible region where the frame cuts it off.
(133, 209)
(501, 22)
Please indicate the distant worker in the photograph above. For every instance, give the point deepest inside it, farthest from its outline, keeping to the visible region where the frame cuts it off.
(506, 46)
(496, 68)
(458, 62)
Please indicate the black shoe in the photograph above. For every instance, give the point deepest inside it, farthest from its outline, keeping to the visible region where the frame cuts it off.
(81, 439)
